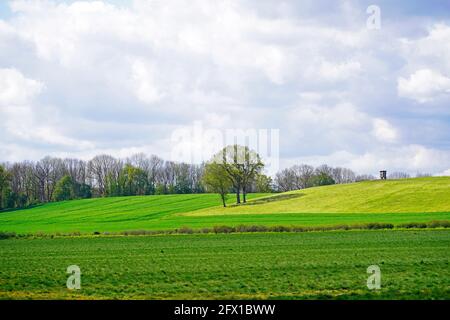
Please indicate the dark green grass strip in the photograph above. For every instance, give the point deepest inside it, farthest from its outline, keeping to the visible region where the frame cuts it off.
(316, 265)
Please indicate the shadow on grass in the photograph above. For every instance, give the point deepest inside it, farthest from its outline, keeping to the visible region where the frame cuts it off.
(279, 197)
(21, 208)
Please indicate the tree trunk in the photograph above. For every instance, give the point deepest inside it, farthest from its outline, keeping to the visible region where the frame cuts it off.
(244, 194)
(223, 200)
(238, 195)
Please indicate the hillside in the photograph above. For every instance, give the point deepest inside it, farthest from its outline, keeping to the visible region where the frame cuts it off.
(105, 214)
(392, 201)
(416, 195)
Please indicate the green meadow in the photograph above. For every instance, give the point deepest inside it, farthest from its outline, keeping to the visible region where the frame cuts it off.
(414, 264)
(260, 265)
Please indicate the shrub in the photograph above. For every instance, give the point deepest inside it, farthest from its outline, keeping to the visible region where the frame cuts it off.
(342, 227)
(251, 228)
(205, 230)
(279, 229)
(7, 235)
(410, 225)
(439, 224)
(185, 230)
(299, 229)
(223, 229)
(377, 225)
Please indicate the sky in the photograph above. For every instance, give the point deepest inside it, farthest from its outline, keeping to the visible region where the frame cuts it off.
(81, 78)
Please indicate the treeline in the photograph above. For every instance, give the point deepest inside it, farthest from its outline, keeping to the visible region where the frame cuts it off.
(28, 183)
(306, 176)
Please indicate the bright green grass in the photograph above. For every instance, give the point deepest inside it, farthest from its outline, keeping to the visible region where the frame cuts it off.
(414, 265)
(105, 214)
(392, 201)
(431, 194)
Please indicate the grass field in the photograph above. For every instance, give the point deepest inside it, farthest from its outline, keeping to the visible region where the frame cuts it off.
(417, 195)
(107, 214)
(391, 201)
(312, 265)
(316, 265)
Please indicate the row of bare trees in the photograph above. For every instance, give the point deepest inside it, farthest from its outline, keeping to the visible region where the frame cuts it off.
(27, 182)
(304, 176)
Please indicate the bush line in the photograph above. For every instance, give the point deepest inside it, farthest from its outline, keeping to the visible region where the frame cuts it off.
(241, 229)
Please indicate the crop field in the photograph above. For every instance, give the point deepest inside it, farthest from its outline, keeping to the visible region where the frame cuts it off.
(318, 265)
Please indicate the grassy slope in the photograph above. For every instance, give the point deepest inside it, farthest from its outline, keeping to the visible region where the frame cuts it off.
(414, 265)
(392, 201)
(105, 214)
(431, 194)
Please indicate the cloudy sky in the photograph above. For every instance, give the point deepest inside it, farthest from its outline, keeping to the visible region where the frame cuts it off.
(79, 78)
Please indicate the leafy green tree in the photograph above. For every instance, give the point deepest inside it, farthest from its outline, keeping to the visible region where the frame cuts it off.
(242, 165)
(114, 185)
(11, 199)
(5, 179)
(64, 189)
(322, 179)
(263, 183)
(216, 180)
(82, 190)
(160, 189)
(136, 180)
(129, 181)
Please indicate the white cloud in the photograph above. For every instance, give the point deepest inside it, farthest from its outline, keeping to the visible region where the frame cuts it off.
(120, 79)
(432, 50)
(15, 89)
(384, 131)
(145, 85)
(339, 71)
(424, 85)
(19, 112)
(16, 95)
(445, 173)
(411, 159)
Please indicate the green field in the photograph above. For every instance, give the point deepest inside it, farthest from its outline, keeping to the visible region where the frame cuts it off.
(276, 265)
(417, 195)
(391, 201)
(414, 265)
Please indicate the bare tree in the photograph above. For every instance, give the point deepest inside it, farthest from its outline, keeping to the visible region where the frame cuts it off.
(343, 175)
(399, 175)
(77, 169)
(48, 171)
(285, 180)
(423, 175)
(302, 175)
(325, 169)
(154, 169)
(99, 168)
(364, 177)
